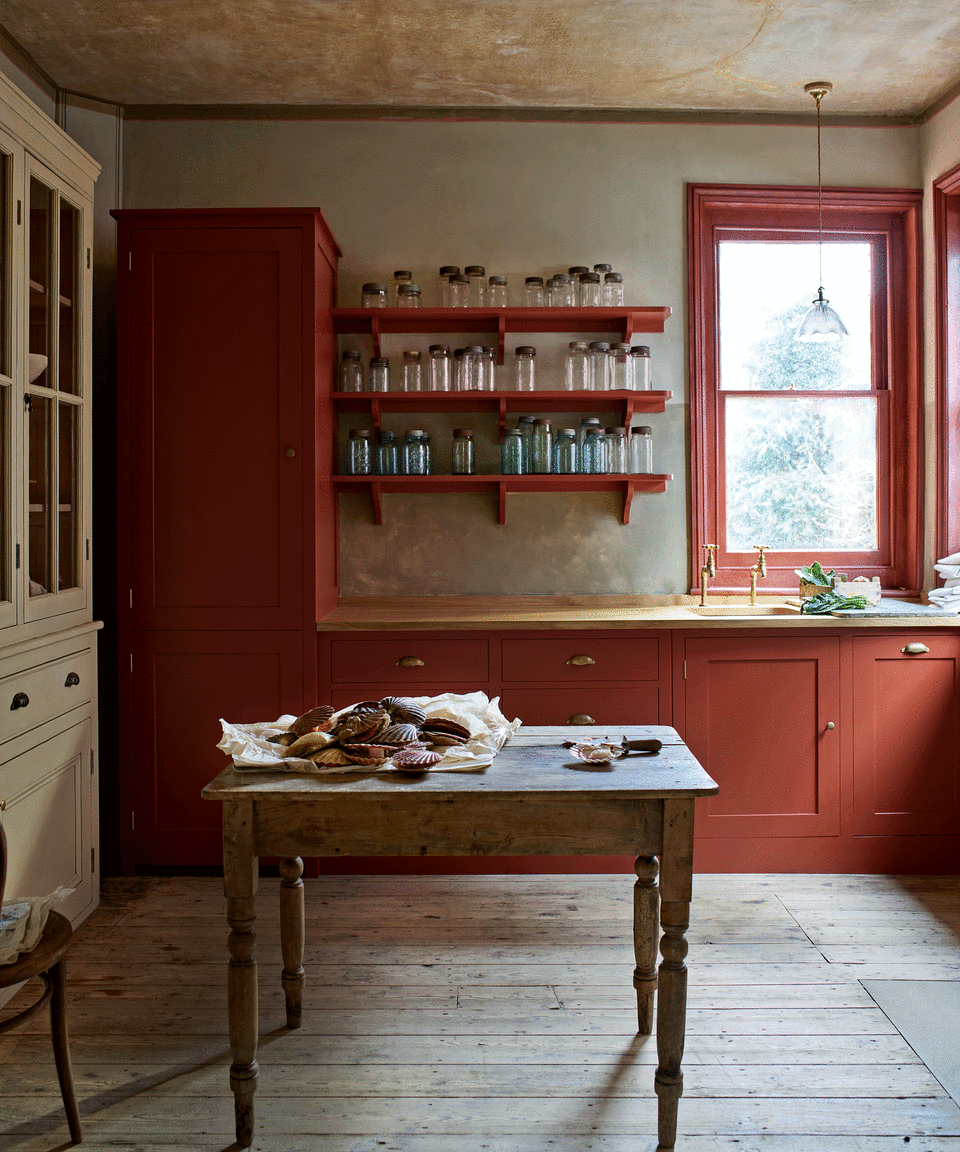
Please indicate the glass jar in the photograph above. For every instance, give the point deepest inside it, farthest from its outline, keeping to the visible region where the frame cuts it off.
(595, 452)
(564, 293)
(471, 369)
(438, 368)
(602, 269)
(602, 374)
(360, 452)
(549, 292)
(575, 273)
(497, 296)
(428, 450)
(525, 428)
(640, 354)
(511, 453)
(618, 455)
(565, 452)
(578, 368)
(524, 368)
(621, 366)
(412, 372)
(641, 450)
(612, 290)
(542, 446)
(413, 454)
(461, 454)
(379, 374)
(399, 278)
(586, 424)
(488, 369)
(457, 369)
(459, 291)
(351, 372)
(590, 292)
(408, 295)
(533, 292)
(477, 276)
(388, 455)
(446, 272)
(373, 296)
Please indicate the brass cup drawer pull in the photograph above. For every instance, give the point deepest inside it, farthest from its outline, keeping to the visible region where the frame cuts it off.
(581, 718)
(581, 660)
(410, 662)
(914, 649)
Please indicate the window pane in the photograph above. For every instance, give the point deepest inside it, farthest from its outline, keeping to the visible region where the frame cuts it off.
(6, 507)
(40, 564)
(766, 288)
(801, 474)
(67, 332)
(68, 539)
(41, 206)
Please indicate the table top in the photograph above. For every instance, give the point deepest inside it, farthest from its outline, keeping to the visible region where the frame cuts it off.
(533, 761)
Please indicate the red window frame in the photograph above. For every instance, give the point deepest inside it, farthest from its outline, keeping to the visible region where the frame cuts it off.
(890, 220)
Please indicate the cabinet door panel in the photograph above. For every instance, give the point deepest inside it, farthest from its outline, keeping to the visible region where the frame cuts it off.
(631, 704)
(217, 361)
(755, 714)
(183, 683)
(907, 739)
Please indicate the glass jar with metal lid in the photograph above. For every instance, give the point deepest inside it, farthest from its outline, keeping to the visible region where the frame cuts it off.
(511, 453)
(565, 452)
(612, 290)
(477, 276)
(533, 292)
(400, 277)
(459, 291)
(350, 375)
(360, 452)
(602, 373)
(621, 366)
(641, 450)
(590, 291)
(408, 295)
(542, 446)
(461, 454)
(413, 453)
(640, 354)
(438, 368)
(618, 456)
(578, 368)
(379, 374)
(373, 295)
(411, 379)
(445, 273)
(497, 295)
(524, 368)
(388, 455)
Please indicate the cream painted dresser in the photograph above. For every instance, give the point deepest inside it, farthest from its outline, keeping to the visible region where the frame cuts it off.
(48, 662)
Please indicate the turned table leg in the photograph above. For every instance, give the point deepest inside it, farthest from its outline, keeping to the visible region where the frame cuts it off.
(646, 908)
(676, 864)
(291, 936)
(240, 876)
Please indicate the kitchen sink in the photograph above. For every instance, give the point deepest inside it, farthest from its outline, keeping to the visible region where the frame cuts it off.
(745, 610)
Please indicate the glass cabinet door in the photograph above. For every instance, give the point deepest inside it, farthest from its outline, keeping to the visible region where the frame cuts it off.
(11, 165)
(53, 398)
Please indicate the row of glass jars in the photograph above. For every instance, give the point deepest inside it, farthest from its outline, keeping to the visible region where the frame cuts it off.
(530, 448)
(587, 367)
(578, 287)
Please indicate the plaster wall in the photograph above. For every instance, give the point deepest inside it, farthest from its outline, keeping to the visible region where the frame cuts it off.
(521, 198)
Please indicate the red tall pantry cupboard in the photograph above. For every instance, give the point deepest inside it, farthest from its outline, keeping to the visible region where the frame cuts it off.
(226, 537)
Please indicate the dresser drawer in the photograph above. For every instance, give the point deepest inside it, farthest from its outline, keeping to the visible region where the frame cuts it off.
(34, 695)
(636, 704)
(403, 663)
(581, 658)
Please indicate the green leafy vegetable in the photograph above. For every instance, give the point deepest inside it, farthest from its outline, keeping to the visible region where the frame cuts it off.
(825, 602)
(814, 574)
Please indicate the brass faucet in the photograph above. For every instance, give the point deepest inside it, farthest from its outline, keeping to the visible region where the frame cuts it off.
(709, 569)
(758, 570)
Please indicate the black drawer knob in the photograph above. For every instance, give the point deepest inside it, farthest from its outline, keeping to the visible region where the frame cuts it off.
(21, 700)
(72, 680)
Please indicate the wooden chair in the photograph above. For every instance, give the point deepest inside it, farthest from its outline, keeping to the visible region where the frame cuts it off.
(48, 962)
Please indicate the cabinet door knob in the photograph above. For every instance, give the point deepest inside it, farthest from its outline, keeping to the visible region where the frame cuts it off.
(3, 805)
(581, 718)
(580, 660)
(410, 662)
(914, 649)
(21, 700)
(72, 680)
(291, 452)
(830, 725)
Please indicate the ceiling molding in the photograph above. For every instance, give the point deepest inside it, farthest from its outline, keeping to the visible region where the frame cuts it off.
(939, 104)
(401, 113)
(19, 56)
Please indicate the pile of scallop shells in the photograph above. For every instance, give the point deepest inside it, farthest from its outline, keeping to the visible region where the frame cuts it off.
(371, 733)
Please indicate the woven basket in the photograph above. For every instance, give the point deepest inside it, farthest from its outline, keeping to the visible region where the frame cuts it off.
(807, 589)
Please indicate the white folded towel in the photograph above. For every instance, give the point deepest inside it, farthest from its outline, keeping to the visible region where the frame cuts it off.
(953, 558)
(948, 570)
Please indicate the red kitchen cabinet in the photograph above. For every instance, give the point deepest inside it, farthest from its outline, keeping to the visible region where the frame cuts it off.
(906, 691)
(226, 509)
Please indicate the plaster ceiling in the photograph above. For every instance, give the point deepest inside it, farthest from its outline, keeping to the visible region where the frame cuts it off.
(884, 57)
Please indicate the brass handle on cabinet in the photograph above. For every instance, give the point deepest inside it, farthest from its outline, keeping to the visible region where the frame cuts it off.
(830, 725)
(914, 649)
(410, 662)
(72, 680)
(21, 700)
(3, 805)
(581, 718)
(580, 660)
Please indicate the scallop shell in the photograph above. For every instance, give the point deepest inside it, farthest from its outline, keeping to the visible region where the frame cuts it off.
(372, 751)
(441, 724)
(594, 753)
(284, 738)
(308, 744)
(357, 727)
(442, 739)
(332, 757)
(403, 710)
(398, 734)
(415, 759)
(367, 706)
(316, 720)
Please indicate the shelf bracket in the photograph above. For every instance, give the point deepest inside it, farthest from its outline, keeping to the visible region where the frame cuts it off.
(375, 333)
(503, 502)
(628, 490)
(376, 495)
(501, 337)
(375, 415)
(629, 407)
(503, 421)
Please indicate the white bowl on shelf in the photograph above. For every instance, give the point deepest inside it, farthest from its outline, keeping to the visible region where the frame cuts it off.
(36, 363)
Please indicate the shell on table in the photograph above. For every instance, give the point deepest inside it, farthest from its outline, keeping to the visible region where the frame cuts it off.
(368, 706)
(359, 727)
(398, 734)
(415, 759)
(442, 739)
(403, 710)
(318, 719)
(331, 757)
(442, 724)
(283, 738)
(373, 751)
(308, 744)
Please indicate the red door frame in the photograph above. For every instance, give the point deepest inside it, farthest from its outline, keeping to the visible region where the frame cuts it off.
(946, 240)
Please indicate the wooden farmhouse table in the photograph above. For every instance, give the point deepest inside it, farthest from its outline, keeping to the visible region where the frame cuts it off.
(535, 799)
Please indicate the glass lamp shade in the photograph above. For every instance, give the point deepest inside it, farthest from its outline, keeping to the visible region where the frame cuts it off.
(820, 322)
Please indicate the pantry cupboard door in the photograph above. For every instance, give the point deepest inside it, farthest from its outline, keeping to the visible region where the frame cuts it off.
(216, 365)
(762, 715)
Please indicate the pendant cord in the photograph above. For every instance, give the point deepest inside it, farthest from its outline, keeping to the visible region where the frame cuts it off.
(819, 196)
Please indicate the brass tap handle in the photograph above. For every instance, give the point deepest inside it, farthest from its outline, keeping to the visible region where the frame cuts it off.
(711, 561)
(761, 559)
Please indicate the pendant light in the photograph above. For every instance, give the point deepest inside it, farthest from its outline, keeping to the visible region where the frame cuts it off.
(820, 322)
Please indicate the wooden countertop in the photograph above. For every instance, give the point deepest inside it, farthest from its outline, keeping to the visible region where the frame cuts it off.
(478, 613)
